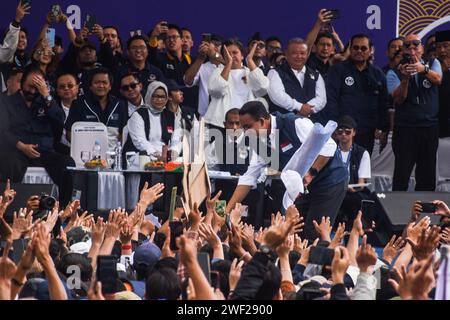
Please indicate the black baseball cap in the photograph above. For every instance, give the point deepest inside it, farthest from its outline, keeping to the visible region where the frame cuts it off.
(172, 85)
(347, 122)
(442, 36)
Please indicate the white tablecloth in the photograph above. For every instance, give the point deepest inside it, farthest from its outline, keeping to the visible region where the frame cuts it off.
(111, 190)
(36, 175)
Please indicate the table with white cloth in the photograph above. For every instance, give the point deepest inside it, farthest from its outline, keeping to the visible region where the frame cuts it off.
(101, 190)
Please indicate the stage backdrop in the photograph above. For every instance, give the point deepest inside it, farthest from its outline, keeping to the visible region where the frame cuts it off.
(381, 19)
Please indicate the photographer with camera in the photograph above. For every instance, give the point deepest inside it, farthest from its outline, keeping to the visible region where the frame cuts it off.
(415, 89)
(30, 119)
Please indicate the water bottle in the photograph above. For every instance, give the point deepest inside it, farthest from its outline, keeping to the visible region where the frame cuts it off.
(97, 151)
(119, 156)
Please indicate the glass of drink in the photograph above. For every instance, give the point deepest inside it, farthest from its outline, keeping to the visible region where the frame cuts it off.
(110, 158)
(85, 156)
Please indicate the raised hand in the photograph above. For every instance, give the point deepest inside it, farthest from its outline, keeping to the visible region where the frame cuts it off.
(235, 273)
(292, 213)
(22, 224)
(393, 248)
(151, 195)
(324, 16)
(9, 194)
(340, 264)
(116, 221)
(441, 209)
(98, 231)
(324, 228)
(207, 233)
(98, 32)
(417, 283)
(22, 10)
(366, 256)
(426, 244)
(338, 236)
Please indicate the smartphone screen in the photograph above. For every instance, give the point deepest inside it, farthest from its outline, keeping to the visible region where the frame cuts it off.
(206, 37)
(203, 260)
(221, 206)
(56, 10)
(428, 207)
(176, 230)
(50, 36)
(90, 22)
(107, 273)
(368, 212)
(228, 222)
(335, 14)
(321, 256)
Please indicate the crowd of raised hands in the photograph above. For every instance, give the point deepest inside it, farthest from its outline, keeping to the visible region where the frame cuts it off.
(270, 263)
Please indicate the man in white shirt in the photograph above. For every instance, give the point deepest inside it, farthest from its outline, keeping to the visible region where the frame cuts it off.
(326, 180)
(356, 160)
(294, 87)
(67, 90)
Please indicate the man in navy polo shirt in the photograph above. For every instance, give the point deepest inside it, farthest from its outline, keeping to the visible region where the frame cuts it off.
(137, 64)
(415, 89)
(173, 62)
(98, 105)
(327, 179)
(357, 88)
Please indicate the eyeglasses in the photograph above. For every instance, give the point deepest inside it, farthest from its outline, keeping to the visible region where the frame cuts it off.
(414, 43)
(173, 38)
(347, 132)
(69, 86)
(137, 48)
(131, 86)
(260, 45)
(45, 52)
(362, 48)
(157, 97)
(272, 49)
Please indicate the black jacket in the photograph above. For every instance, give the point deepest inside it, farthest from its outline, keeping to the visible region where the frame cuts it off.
(40, 124)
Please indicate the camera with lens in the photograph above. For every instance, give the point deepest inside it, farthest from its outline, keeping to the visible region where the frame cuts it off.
(46, 202)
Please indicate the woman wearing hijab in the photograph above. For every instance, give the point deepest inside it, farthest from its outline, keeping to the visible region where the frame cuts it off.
(149, 126)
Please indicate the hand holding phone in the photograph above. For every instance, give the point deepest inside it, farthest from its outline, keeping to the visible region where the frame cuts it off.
(56, 11)
(368, 213)
(90, 22)
(206, 37)
(176, 230)
(221, 206)
(107, 273)
(428, 207)
(321, 256)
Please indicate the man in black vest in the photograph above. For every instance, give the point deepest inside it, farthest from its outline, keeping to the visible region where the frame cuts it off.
(357, 161)
(295, 87)
(357, 88)
(443, 51)
(326, 180)
(415, 89)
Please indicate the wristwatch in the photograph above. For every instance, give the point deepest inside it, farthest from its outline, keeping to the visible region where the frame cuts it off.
(266, 250)
(48, 99)
(427, 69)
(313, 172)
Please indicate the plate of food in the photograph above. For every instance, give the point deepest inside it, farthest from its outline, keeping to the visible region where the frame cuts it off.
(155, 165)
(96, 164)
